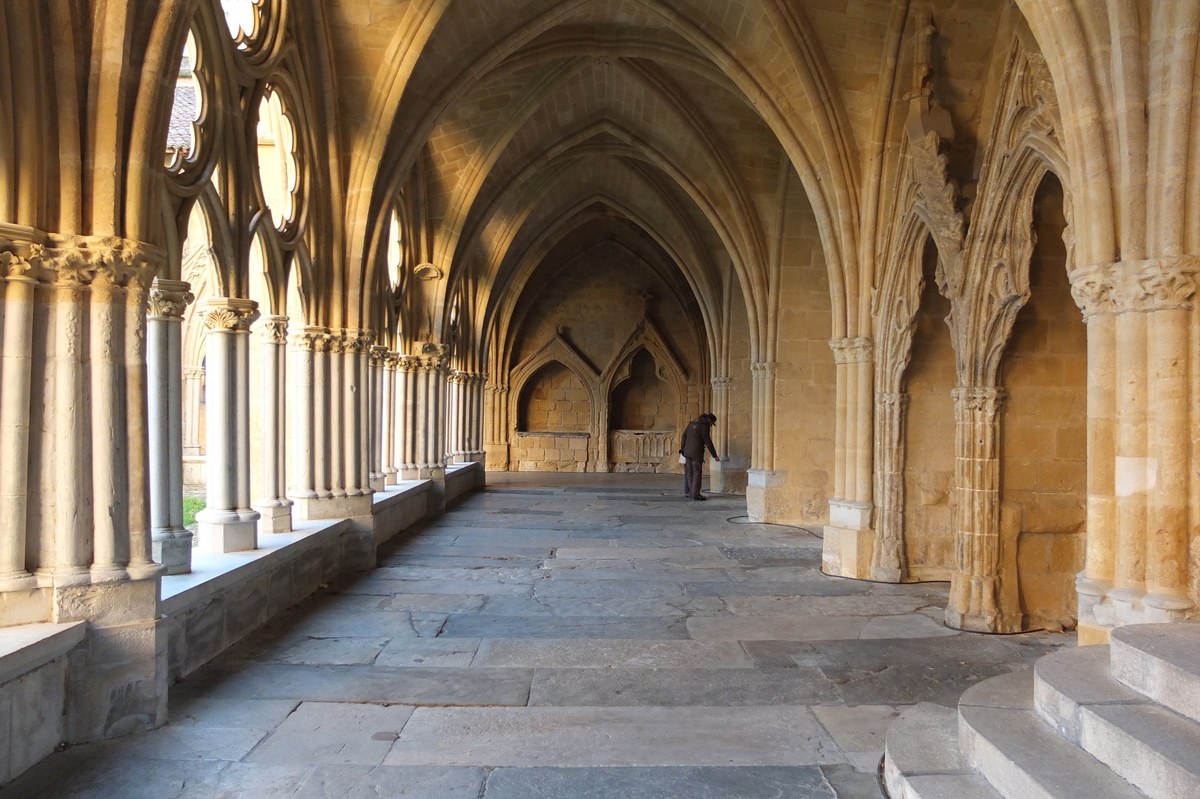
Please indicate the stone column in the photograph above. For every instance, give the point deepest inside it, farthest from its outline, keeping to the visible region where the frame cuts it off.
(456, 413)
(172, 542)
(16, 345)
(496, 427)
(274, 508)
(303, 345)
(357, 393)
(891, 413)
(849, 542)
(478, 414)
(762, 477)
(378, 360)
(228, 523)
(423, 388)
(193, 382)
(1140, 317)
(975, 590)
(728, 476)
(388, 419)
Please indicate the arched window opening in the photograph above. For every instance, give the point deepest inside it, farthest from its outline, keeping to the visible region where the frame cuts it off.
(395, 250)
(277, 170)
(183, 130)
(243, 19)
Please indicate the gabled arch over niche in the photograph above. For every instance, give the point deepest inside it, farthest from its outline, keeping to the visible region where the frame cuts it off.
(643, 449)
(569, 450)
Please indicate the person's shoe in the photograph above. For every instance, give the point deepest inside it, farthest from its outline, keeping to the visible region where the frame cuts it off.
(700, 498)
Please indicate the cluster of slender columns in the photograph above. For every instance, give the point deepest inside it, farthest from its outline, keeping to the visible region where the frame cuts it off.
(975, 590)
(228, 523)
(420, 397)
(891, 409)
(1140, 317)
(465, 416)
(172, 542)
(274, 507)
(74, 503)
(331, 422)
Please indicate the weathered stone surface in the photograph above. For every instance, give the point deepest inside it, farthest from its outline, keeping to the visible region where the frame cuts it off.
(401, 782)
(616, 653)
(334, 733)
(747, 782)
(666, 687)
(625, 736)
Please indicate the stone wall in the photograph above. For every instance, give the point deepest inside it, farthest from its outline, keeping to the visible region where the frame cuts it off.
(1044, 440)
(554, 401)
(550, 452)
(929, 439)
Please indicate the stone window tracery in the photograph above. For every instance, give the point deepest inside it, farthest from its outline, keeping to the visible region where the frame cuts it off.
(183, 132)
(277, 168)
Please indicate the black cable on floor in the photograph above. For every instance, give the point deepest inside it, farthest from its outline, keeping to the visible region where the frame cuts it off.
(733, 520)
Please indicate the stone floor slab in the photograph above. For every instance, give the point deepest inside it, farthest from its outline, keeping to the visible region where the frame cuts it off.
(626, 736)
(602, 606)
(399, 685)
(748, 782)
(905, 626)
(853, 605)
(612, 653)
(480, 626)
(443, 652)
(775, 628)
(334, 733)
(861, 728)
(674, 688)
(393, 782)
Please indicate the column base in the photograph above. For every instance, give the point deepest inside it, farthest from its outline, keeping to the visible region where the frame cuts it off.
(497, 456)
(729, 476)
(849, 546)
(391, 476)
(228, 531)
(17, 581)
(173, 549)
(1103, 607)
(377, 481)
(314, 508)
(759, 483)
(275, 515)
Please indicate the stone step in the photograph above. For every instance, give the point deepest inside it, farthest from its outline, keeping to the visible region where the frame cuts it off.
(1146, 744)
(923, 761)
(1023, 758)
(1161, 661)
(1068, 680)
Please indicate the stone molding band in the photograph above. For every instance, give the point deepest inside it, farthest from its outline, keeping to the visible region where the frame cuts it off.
(1156, 284)
(852, 350)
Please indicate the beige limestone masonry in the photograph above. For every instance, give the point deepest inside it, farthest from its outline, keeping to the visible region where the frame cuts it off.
(933, 264)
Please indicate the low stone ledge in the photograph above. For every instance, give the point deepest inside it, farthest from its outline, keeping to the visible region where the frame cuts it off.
(399, 507)
(462, 478)
(25, 648)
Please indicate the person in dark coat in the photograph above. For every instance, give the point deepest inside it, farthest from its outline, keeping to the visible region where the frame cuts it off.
(697, 437)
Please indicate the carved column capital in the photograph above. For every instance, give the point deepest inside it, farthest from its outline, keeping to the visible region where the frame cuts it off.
(228, 313)
(103, 261)
(852, 350)
(889, 400)
(193, 373)
(499, 389)
(1157, 284)
(722, 383)
(312, 339)
(21, 261)
(169, 298)
(764, 370)
(274, 329)
(977, 403)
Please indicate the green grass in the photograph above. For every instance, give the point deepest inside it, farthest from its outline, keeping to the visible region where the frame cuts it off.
(191, 506)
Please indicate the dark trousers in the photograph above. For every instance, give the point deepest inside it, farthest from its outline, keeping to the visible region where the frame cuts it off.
(693, 469)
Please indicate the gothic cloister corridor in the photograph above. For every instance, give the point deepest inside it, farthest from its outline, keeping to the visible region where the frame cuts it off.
(561, 637)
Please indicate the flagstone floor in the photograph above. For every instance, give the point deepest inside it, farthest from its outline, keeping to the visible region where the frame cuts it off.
(561, 637)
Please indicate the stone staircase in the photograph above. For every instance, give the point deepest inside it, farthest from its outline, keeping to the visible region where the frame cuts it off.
(1101, 722)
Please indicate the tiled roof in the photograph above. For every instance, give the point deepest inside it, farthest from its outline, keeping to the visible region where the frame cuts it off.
(179, 136)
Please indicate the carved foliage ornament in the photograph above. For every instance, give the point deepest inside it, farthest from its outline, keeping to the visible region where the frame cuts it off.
(103, 261)
(169, 298)
(274, 329)
(852, 350)
(228, 314)
(1158, 284)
